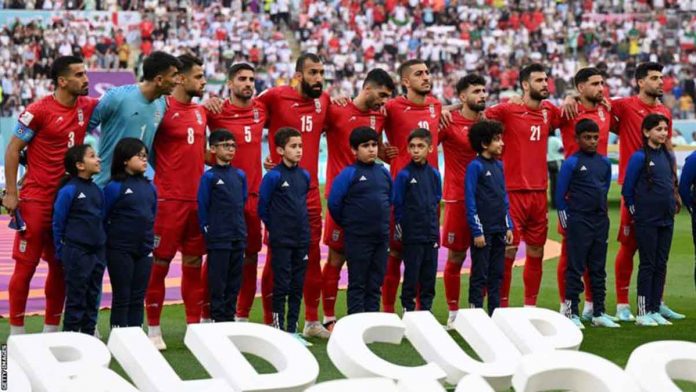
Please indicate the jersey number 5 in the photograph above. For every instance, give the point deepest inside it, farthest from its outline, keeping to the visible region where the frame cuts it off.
(306, 123)
(247, 133)
(536, 133)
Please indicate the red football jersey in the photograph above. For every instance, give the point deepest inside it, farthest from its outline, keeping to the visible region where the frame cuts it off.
(285, 107)
(247, 126)
(179, 149)
(629, 114)
(403, 116)
(458, 154)
(526, 136)
(340, 122)
(50, 130)
(600, 115)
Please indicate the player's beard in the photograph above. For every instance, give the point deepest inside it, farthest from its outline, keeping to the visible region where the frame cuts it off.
(595, 99)
(655, 93)
(476, 107)
(538, 95)
(308, 89)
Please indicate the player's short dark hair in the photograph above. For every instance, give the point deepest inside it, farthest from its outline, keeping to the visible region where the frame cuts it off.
(235, 68)
(220, 135)
(125, 149)
(643, 69)
(299, 65)
(158, 63)
(470, 80)
(188, 62)
(483, 132)
(584, 74)
(652, 120)
(406, 65)
(362, 135)
(284, 134)
(379, 78)
(421, 133)
(527, 71)
(61, 66)
(586, 126)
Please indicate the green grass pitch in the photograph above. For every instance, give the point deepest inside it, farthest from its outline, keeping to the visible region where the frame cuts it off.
(614, 345)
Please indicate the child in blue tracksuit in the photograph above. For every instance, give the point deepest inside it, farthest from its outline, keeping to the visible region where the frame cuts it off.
(283, 210)
(581, 200)
(417, 195)
(221, 196)
(687, 190)
(78, 236)
(488, 215)
(360, 202)
(130, 208)
(649, 191)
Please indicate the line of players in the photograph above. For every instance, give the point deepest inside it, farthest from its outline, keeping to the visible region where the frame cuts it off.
(159, 111)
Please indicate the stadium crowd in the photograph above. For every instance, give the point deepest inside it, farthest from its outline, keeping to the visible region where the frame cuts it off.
(493, 38)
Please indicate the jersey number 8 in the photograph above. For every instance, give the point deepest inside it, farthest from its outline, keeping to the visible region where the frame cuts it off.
(189, 137)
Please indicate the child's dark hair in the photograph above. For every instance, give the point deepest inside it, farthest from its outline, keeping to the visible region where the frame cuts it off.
(284, 134)
(586, 125)
(483, 132)
(126, 148)
(649, 122)
(421, 133)
(220, 135)
(74, 155)
(362, 135)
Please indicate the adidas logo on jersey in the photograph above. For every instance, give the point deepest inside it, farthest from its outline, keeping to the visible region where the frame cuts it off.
(220, 182)
(583, 168)
(651, 163)
(128, 191)
(413, 181)
(81, 196)
(285, 184)
(488, 173)
(362, 178)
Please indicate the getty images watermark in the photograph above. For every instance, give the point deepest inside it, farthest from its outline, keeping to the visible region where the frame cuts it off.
(3, 367)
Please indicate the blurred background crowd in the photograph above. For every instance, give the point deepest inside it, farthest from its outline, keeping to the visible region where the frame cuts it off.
(491, 37)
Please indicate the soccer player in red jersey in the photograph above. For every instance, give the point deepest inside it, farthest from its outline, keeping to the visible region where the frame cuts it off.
(245, 118)
(303, 107)
(589, 83)
(364, 110)
(629, 113)
(527, 128)
(46, 128)
(454, 138)
(417, 109)
(179, 149)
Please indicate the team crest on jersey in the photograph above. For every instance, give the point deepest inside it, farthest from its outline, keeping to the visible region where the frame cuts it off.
(317, 105)
(23, 246)
(80, 117)
(373, 122)
(257, 116)
(450, 238)
(627, 230)
(199, 118)
(335, 235)
(546, 116)
(432, 111)
(156, 242)
(600, 112)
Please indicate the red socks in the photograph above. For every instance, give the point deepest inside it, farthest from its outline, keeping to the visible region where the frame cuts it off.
(391, 283)
(507, 280)
(19, 290)
(154, 298)
(248, 290)
(452, 277)
(205, 293)
(312, 284)
(192, 293)
(267, 290)
(623, 270)
(331, 275)
(55, 293)
(532, 279)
